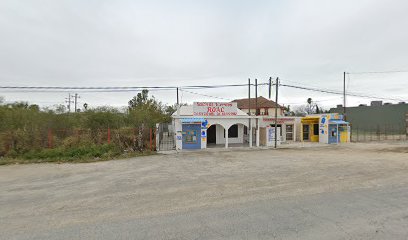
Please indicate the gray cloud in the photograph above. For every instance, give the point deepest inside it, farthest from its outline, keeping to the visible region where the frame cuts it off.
(131, 43)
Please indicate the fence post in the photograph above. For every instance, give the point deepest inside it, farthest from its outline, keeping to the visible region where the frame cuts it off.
(155, 139)
(49, 138)
(151, 138)
(109, 136)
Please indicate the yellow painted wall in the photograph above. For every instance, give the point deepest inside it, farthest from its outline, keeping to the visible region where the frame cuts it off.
(313, 138)
(311, 121)
(343, 136)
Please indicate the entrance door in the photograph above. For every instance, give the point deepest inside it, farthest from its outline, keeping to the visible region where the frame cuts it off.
(333, 134)
(306, 130)
(191, 136)
(212, 134)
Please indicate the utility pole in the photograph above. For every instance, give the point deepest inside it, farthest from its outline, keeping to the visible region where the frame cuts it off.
(177, 97)
(344, 95)
(69, 101)
(256, 98)
(276, 112)
(76, 101)
(178, 104)
(249, 96)
(249, 113)
(270, 87)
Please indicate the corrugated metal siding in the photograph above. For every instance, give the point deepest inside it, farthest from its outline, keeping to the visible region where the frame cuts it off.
(371, 117)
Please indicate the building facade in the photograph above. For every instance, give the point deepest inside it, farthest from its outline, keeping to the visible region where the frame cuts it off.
(325, 128)
(206, 124)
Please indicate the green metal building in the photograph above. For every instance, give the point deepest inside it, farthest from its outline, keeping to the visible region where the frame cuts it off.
(376, 116)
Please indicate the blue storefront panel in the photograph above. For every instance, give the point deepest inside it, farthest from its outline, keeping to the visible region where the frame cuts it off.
(333, 134)
(191, 136)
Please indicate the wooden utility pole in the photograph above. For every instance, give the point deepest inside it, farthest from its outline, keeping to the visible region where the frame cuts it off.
(76, 101)
(256, 97)
(69, 101)
(276, 112)
(270, 87)
(177, 97)
(249, 113)
(249, 96)
(178, 104)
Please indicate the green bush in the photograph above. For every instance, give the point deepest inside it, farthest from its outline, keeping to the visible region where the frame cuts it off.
(28, 132)
(74, 153)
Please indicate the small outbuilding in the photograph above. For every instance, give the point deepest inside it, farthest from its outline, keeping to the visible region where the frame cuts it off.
(325, 128)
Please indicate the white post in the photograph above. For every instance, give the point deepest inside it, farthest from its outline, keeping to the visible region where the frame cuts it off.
(257, 133)
(226, 137)
(250, 136)
(158, 137)
(338, 134)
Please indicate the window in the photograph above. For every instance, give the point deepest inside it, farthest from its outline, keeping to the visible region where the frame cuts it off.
(266, 111)
(232, 131)
(289, 132)
(315, 129)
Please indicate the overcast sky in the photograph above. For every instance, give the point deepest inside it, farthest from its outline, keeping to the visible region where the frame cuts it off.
(176, 43)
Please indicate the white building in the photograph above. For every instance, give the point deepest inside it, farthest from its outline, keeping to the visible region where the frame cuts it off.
(204, 124)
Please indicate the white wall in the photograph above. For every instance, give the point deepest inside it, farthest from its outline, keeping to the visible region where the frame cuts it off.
(221, 138)
(178, 136)
(219, 122)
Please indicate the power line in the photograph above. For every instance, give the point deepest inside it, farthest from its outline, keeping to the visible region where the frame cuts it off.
(122, 88)
(166, 88)
(340, 93)
(379, 72)
(205, 95)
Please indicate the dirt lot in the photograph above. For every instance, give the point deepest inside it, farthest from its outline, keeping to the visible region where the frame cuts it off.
(52, 201)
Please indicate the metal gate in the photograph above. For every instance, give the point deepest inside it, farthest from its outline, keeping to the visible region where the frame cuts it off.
(165, 135)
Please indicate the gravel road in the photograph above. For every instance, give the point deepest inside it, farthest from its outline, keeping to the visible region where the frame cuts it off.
(353, 191)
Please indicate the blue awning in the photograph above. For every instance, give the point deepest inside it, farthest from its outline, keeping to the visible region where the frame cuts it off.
(336, 121)
(192, 120)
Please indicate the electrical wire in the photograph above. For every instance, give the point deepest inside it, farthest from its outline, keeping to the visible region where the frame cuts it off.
(167, 88)
(122, 88)
(380, 72)
(205, 95)
(340, 93)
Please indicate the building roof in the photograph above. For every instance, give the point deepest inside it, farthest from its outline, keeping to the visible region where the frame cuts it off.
(187, 110)
(262, 103)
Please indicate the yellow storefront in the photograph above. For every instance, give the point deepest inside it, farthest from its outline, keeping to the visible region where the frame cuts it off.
(310, 128)
(325, 128)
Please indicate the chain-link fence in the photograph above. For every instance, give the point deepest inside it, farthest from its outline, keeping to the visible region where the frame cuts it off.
(126, 139)
(379, 133)
(165, 135)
